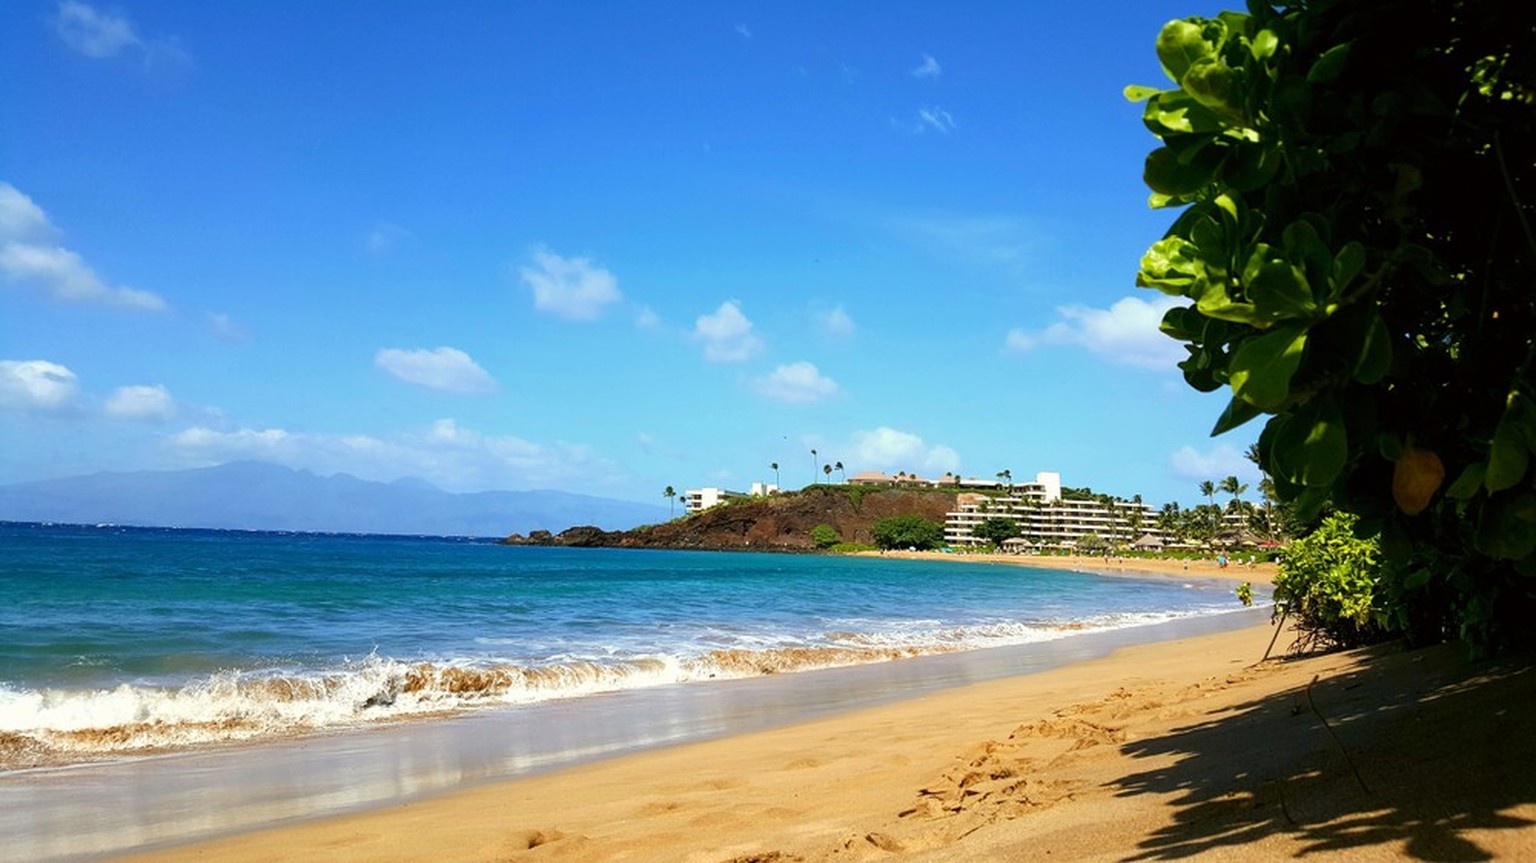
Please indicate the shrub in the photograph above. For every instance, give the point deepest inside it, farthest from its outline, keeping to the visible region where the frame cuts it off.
(824, 536)
(1328, 583)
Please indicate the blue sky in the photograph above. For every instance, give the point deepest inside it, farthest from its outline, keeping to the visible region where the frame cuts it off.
(601, 247)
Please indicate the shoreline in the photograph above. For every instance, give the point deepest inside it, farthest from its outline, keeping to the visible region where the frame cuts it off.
(1155, 751)
(1258, 573)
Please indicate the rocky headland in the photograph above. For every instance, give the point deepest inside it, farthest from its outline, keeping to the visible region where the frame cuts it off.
(782, 522)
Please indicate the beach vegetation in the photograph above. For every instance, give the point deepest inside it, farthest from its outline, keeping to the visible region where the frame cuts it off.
(824, 536)
(1329, 585)
(908, 531)
(852, 548)
(1356, 240)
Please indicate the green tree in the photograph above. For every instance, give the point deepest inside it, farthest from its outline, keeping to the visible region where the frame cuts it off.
(827, 469)
(908, 531)
(996, 530)
(774, 466)
(670, 494)
(1091, 543)
(824, 536)
(1342, 284)
(815, 466)
(1208, 489)
(839, 468)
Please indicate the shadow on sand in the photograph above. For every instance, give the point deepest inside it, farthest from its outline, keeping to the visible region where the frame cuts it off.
(1419, 749)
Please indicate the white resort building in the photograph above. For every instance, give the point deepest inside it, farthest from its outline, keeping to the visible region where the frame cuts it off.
(1048, 521)
(700, 499)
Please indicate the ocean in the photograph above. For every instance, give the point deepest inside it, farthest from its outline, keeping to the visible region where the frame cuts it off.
(123, 646)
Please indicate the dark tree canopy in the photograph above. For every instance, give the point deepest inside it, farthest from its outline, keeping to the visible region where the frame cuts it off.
(1358, 246)
(908, 531)
(996, 530)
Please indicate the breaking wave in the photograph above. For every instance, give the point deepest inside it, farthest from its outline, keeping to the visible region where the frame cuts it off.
(47, 727)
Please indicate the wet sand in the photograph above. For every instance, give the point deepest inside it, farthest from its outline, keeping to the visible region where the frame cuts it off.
(1169, 750)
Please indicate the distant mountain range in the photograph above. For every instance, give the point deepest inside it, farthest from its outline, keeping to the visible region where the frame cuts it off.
(258, 496)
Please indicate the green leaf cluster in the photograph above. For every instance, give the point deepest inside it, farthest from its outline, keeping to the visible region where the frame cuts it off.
(824, 536)
(1356, 242)
(1328, 584)
(908, 531)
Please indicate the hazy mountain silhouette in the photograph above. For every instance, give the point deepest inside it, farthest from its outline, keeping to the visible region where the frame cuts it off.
(258, 496)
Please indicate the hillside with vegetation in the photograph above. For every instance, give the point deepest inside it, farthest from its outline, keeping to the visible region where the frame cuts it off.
(782, 522)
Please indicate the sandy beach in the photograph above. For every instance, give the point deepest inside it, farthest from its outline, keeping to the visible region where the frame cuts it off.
(1161, 751)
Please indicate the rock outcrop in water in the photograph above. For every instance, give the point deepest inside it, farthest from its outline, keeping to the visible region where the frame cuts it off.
(782, 522)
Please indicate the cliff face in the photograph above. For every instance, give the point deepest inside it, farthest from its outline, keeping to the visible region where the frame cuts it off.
(779, 523)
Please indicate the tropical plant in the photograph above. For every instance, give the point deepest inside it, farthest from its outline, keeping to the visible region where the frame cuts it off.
(815, 466)
(1231, 486)
(824, 536)
(1327, 584)
(1340, 283)
(839, 468)
(1208, 489)
(774, 466)
(670, 494)
(907, 531)
(996, 530)
(1007, 477)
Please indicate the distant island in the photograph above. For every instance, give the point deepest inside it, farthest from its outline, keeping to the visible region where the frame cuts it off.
(249, 495)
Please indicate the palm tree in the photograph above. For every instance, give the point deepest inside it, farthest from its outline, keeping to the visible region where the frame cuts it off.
(814, 467)
(1007, 477)
(1231, 486)
(840, 470)
(670, 494)
(1208, 489)
(775, 467)
(827, 469)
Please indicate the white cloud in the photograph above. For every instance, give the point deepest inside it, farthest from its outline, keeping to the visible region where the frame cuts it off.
(727, 335)
(28, 254)
(929, 68)
(93, 33)
(743, 31)
(646, 319)
(797, 383)
(36, 385)
(569, 287)
(1125, 333)
(937, 119)
(20, 218)
(447, 369)
(890, 450)
(1220, 461)
(104, 35)
(836, 323)
(141, 404)
(444, 453)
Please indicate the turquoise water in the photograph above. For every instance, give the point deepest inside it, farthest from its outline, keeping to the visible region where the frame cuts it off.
(121, 640)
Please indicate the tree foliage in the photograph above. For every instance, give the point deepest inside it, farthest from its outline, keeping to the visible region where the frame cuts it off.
(824, 536)
(908, 531)
(1357, 245)
(996, 530)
